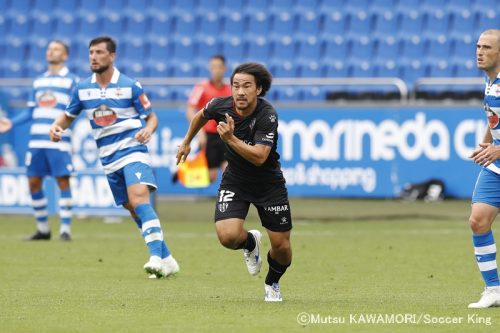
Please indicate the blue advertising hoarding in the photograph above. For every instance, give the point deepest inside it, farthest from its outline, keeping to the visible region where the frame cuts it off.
(369, 152)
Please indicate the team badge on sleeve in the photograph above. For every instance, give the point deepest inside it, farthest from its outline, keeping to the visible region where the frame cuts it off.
(104, 116)
(492, 116)
(146, 104)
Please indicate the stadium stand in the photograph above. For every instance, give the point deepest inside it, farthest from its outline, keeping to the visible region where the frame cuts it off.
(406, 39)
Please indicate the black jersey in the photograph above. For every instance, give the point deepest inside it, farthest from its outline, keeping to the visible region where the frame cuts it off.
(261, 127)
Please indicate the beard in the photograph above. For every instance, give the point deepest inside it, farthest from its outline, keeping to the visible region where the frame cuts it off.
(100, 69)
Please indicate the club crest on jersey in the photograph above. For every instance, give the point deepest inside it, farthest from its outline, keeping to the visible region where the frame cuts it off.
(104, 116)
(491, 115)
(272, 118)
(47, 100)
(146, 104)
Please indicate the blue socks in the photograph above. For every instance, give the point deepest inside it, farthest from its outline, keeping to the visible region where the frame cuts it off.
(485, 251)
(151, 231)
(65, 206)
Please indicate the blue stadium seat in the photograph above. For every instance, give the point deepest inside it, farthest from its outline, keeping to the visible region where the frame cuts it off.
(184, 6)
(361, 49)
(458, 6)
(185, 25)
(43, 6)
(112, 25)
(63, 7)
(134, 50)
(308, 23)
(19, 26)
(161, 93)
(209, 24)
(309, 49)
(380, 7)
(161, 6)
(15, 50)
(19, 7)
(258, 49)
(411, 24)
(207, 47)
(183, 69)
(159, 50)
(88, 28)
(412, 71)
(385, 24)
(335, 68)
(257, 24)
(432, 6)
(356, 6)
(42, 26)
(438, 48)
(138, 6)
(233, 49)
(463, 23)
(233, 25)
(361, 69)
(89, 7)
(183, 48)
(137, 25)
(310, 68)
(331, 6)
(289, 93)
(306, 5)
(232, 6)
(314, 93)
(278, 6)
(387, 49)
(65, 27)
(334, 24)
(181, 93)
(282, 24)
(408, 6)
(282, 48)
(37, 51)
(463, 48)
(160, 68)
(412, 49)
(486, 20)
(386, 69)
(161, 25)
(440, 69)
(3, 25)
(336, 49)
(437, 23)
(208, 6)
(360, 24)
(284, 68)
(467, 68)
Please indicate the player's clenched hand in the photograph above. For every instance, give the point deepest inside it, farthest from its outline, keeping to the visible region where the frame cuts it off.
(144, 135)
(56, 132)
(226, 129)
(5, 125)
(183, 152)
(486, 154)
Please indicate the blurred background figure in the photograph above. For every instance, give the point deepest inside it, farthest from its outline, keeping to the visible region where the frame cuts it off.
(7, 157)
(202, 93)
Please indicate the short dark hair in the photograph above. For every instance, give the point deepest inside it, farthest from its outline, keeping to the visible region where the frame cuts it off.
(219, 57)
(63, 44)
(110, 43)
(263, 77)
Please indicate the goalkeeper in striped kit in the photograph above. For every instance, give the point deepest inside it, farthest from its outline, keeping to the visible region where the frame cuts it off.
(122, 123)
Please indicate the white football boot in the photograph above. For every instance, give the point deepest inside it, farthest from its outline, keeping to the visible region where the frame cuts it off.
(169, 266)
(489, 297)
(252, 258)
(154, 266)
(272, 293)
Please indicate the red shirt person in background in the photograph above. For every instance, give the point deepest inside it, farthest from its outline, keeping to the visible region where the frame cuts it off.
(201, 94)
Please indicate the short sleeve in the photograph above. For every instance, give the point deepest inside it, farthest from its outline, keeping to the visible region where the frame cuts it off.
(266, 129)
(210, 109)
(75, 105)
(141, 101)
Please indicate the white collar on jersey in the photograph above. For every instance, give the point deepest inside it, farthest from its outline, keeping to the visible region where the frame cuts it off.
(62, 72)
(114, 78)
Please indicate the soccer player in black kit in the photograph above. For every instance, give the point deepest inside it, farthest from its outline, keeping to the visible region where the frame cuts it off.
(248, 126)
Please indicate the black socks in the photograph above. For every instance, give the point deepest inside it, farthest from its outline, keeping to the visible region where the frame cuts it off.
(276, 270)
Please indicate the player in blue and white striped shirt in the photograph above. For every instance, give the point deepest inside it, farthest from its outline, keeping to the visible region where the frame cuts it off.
(122, 123)
(486, 196)
(51, 94)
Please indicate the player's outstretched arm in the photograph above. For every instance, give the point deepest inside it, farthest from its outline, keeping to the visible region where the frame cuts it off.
(194, 127)
(59, 126)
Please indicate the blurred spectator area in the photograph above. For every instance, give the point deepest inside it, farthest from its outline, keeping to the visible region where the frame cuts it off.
(405, 39)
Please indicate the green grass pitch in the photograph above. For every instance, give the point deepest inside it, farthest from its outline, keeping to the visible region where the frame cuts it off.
(352, 259)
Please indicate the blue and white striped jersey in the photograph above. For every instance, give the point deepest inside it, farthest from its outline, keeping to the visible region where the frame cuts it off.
(492, 109)
(50, 97)
(116, 114)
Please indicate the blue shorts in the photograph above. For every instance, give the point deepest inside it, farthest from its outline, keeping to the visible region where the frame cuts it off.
(130, 174)
(41, 162)
(487, 189)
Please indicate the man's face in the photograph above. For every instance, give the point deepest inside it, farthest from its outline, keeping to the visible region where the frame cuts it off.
(100, 58)
(487, 52)
(56, 53)
(217, 69)
(245, 91)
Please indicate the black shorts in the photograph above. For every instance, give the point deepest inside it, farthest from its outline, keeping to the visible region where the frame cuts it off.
(271, 201)
(215, 150)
